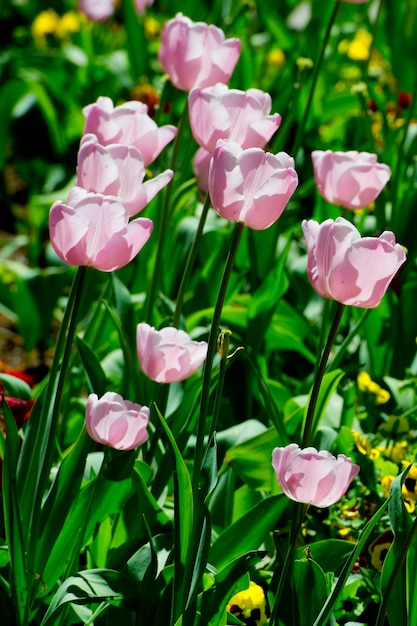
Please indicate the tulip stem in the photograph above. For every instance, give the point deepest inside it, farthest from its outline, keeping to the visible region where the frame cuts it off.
(317, 66)
(190, 262)
(208, 366)
(297, 520)
(153, 285)
(319, 376)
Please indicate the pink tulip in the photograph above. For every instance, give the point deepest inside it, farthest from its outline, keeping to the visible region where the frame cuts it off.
(313, 477)
(94, 229)
(346, 267)
(117, 423)
(97, 10)
(194, 54)
(222, 113)
(201, 167)
(117, 170)
(128, 124)
(140, 5)
(250, 186)
(349, 179)
(168, 355)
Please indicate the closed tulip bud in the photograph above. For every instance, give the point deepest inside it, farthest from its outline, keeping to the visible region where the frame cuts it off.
(97, 10)
(128, 124)
(168, 355)
(117, 170)
(312, 477)
(348, 268)
(195, 54)
(116, 422)
(250, 186)
(93, 229)
(350, 179)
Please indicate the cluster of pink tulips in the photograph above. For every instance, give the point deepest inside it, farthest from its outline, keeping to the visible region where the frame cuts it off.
(98, 227)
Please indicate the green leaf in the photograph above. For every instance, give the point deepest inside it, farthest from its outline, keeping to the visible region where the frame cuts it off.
(104, 495)
(12, 519)
(328, 607)
(394, 572)
(15, 387)
(310, 588)
(228, 582)
(90, 586)
(95, 375)
(328, 387)
(248, 532)
(61, 497)
(251, 460)
(330, 554)
(265, 299)
(183, 520)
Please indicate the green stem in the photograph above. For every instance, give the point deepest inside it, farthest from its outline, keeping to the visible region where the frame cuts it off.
(163, 226)
(208, 366)
(218, 397)
(319, 376)
(334, 364)
(317, 66)
(190, 262)
(297, 520)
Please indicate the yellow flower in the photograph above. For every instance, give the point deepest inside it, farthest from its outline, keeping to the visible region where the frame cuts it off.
(379, 548)
(44, 24)
(409, 489)
(359, 48)
(386, 482)
(275, 57)
(364, 446)
(249, 605)
(395, 452)
(70, 23)
(152, 27)
(366, 384)
(363, 381)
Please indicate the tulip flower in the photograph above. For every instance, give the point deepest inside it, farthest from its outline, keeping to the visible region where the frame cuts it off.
(140, 5)
(94, 229)
(168, 355)
(117, 170)
(128, 124)
(195, 54)
(222, 113)
(201, 166)
(116, 422)
(349, 179)
(346, 267)
(250, 186)
(312, 477)
(97, 10)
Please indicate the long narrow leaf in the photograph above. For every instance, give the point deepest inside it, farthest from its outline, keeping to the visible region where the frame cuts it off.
(12, 518)
(328, 607)
(184, 514)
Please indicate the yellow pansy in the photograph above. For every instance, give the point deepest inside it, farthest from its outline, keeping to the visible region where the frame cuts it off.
(70, 23)
(249, 605)
(44, 24)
